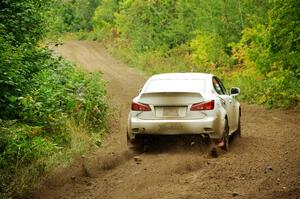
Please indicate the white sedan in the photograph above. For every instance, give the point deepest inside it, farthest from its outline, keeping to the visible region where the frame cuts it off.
(184, 104)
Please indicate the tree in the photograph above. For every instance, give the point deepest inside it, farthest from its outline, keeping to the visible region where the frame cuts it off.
(284, 34)
(21, 21)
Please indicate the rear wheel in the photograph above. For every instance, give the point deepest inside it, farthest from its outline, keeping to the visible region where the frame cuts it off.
(238, 131)
(223, 143)
(136, 144)
(225, 137)
(206, 140)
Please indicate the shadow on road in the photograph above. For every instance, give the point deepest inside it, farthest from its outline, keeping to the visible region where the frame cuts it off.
(175, 144)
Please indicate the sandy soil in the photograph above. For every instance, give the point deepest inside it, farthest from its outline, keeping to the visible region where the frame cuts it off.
(264, 163)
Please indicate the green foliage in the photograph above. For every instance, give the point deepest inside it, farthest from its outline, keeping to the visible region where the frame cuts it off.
(21, 145)
(103, 19)
(20, 21)
(283, 38)
(282, 89)
(21, 151)
(208, 53)
(72, 16)
(42, 99)
(149, 25)
(18, 64)
(64, 90)
(273, 50)
(145, 24)
(252, 49)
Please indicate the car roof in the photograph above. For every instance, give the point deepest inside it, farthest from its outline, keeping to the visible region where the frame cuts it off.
(165, 76)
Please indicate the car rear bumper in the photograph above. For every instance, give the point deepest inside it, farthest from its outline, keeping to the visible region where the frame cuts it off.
(207, 125)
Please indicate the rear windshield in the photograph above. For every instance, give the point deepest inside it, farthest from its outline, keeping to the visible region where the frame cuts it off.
(175, 85)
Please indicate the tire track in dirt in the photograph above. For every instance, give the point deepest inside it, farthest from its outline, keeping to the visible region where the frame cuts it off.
(264, 163)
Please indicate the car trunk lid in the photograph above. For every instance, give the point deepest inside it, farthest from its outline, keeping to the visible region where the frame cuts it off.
(170, 105)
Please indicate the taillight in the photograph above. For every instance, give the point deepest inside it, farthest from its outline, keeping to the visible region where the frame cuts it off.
(203, 106)
(140, 107)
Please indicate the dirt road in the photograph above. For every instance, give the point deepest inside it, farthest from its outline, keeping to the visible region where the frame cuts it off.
(264, 163)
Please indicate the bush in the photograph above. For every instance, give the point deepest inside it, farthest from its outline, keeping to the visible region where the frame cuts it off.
(64, 90)
(273, 83)
(22, 152)
(72, 16)
(55, 96)
(208, 52)
(103, 19)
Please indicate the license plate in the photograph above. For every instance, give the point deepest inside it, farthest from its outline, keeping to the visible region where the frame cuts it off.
(170, 127)
(170, 112)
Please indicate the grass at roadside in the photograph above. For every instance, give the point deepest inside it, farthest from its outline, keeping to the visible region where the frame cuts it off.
(30, 156)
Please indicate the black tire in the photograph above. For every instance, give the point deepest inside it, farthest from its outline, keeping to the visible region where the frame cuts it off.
(238, 132)
(206, 140)
(225, 137)
(136, 144)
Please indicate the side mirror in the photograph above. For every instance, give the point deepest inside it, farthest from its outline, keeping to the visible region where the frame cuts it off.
(140, 90)
(234, 91)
